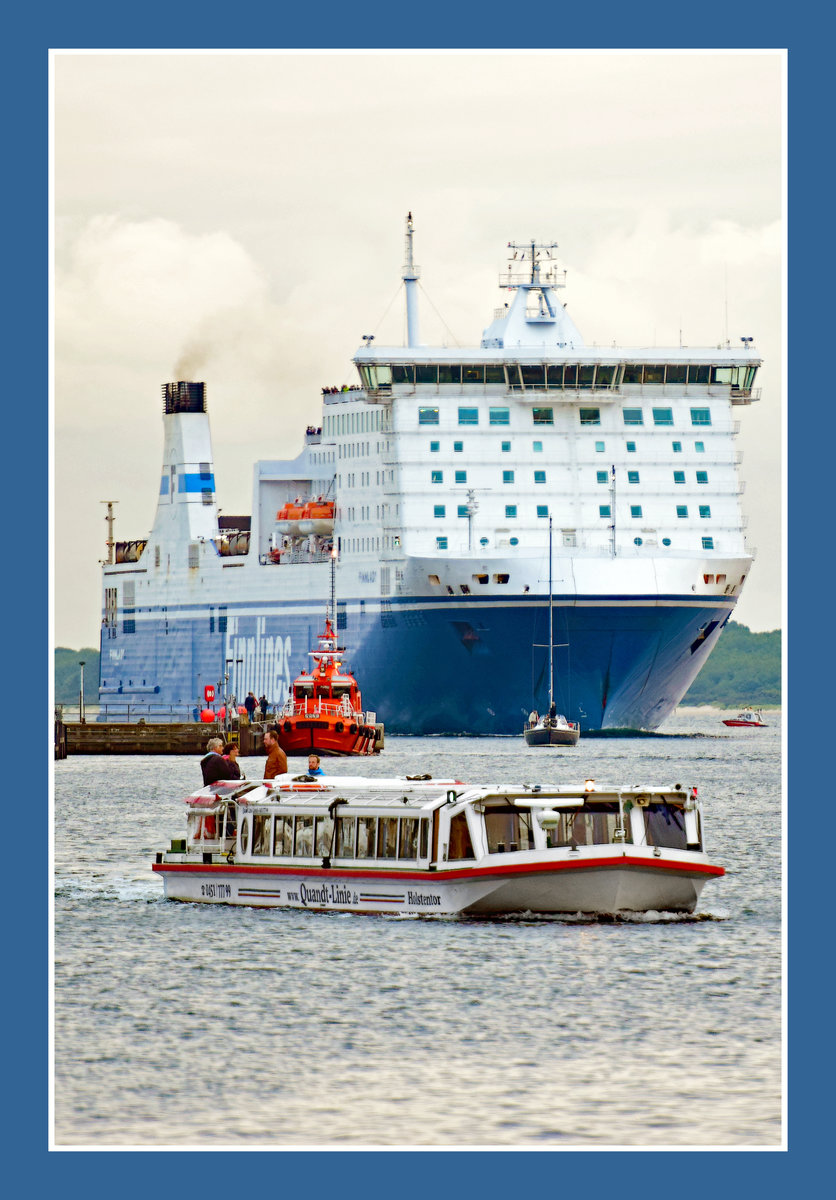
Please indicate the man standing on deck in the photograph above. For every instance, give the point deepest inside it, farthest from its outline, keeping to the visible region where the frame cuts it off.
(276, 758)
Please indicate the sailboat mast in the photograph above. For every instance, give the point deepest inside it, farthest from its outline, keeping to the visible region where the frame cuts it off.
(551, 624)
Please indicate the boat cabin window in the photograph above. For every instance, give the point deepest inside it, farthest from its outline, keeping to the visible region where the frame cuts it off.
(366, 834)
(340, 689)
(664, 826)
(303, 691)
(261, 834)
(387, 837)
(344, 841)
(587, 827)
(283, 836)
(408, 844)
(323, 836)
(508, 829)
(303, 837)
(460, 844)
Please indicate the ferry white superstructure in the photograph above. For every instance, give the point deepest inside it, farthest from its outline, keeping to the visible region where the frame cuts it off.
(445, 466)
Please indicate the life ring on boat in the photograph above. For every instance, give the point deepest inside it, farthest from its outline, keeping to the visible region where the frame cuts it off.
(352, 728)
(339, 727)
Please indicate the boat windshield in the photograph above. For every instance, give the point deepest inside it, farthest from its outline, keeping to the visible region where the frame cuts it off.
(508, 829)
(587, 827)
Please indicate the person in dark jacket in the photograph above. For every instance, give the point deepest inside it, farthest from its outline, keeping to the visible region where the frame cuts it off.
(250, 704)
(263, 706)
(231, 752)
(214, 766)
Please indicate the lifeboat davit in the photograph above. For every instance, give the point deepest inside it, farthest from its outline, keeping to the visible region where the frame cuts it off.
(325, 715)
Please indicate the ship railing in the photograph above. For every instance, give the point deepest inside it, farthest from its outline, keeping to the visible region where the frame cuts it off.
(133, 713)
(292, 557)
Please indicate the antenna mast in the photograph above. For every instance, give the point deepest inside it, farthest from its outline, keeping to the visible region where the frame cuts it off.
(410, 276)
(111, 544)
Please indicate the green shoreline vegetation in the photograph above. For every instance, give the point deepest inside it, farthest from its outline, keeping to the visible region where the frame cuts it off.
(744, 668)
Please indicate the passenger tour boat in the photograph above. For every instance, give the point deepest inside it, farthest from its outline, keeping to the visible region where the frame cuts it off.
(418, 845)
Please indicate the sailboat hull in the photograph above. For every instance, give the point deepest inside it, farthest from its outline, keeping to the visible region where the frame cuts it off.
(540, 736)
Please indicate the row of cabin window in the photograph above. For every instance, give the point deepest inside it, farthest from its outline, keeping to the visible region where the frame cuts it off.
(354, 837)
(441, 543)
(545, 416)
(540, 476)
(557, 375)
(604, 510)
(537, 447)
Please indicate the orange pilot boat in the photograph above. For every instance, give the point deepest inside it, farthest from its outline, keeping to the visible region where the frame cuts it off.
(324, 714)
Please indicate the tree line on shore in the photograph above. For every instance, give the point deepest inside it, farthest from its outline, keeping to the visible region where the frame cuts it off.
(743, 668)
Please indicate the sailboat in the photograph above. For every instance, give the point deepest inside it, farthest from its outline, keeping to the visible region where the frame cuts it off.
(553, 729)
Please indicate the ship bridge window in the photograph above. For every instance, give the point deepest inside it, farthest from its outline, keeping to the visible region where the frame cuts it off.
(427, 416)
(664, 826)
(698, 374)
(473, 374)
(507, 829)
(570, 376)
(543, 416)
(586, 376)
(376, 375)
(426, 373)
(653, 373)
(494, 374)
(460, 845)
(590, 416)
(402, 374)
(700, 416)
(632, 373)
(604, 376)
(303, 691)
(533, 377)
(449, 373)
(587, 827)
(676, 373)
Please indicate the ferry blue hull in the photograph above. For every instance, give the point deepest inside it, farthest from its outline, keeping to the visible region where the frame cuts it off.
(433, 666)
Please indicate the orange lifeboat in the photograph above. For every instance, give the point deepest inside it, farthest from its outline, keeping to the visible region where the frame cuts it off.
(288, 518)
(317, 517)
(325, 715)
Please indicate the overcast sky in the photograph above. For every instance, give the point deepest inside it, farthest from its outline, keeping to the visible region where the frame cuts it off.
(239, 219)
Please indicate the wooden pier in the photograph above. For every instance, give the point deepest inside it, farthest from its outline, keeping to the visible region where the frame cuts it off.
(170, 737)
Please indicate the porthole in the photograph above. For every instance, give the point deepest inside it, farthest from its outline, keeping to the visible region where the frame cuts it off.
(637, 541)
(666, 541)
(515, 541)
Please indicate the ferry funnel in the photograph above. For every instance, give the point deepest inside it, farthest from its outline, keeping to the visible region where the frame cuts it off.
(186, 508)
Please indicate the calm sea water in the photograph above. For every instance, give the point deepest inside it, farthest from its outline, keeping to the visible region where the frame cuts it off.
(183, 1025)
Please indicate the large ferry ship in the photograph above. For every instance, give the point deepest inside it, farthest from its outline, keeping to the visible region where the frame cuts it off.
(432, 480)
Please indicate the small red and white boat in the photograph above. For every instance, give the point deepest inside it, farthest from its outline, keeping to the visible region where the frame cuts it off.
(749, 716)
(440, 847)
(324, 713)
